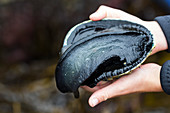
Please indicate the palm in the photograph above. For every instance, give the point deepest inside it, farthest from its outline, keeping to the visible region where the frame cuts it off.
(144, 79)
(144, 75)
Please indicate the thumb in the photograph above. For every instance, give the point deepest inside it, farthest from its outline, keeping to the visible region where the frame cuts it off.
(122, 86)
(97, 98)
(104, 94)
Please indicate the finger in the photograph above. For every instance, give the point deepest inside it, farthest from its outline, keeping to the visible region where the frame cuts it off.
(120, 87)
(90, 89)
(107, 12)
(99, 14)
(100, 85)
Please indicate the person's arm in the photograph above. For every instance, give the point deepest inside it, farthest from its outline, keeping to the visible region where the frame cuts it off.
(144, 79)
(164, 22)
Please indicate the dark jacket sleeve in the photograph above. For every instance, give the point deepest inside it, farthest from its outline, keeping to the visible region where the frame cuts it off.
(165, 77)
(164, 22)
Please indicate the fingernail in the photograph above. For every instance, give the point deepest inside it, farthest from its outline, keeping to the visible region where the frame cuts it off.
(94, 101)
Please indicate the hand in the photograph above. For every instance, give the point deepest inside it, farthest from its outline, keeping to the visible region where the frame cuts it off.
(144, 79)
(153, 26)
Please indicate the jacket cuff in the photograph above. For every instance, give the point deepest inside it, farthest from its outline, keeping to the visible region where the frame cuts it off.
(165, 77)
(164, 22)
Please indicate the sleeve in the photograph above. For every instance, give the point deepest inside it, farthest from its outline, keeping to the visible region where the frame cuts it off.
(164, 22)
(165, 77)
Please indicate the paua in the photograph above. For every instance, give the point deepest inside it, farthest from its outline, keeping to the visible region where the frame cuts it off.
(98, 50)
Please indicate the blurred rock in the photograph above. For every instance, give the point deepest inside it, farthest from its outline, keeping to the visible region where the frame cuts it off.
(31, 36)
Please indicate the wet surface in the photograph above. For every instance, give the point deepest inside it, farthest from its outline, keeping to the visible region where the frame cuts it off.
(97, 55)
(32, 34)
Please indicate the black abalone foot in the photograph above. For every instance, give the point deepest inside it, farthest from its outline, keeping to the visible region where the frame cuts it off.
(95, 51)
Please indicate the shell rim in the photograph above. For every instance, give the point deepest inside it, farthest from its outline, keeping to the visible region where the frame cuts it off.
(127, 72)
(87, 21)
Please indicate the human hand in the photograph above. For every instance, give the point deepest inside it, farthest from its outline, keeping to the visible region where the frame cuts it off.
(144, 79)
(153, 26)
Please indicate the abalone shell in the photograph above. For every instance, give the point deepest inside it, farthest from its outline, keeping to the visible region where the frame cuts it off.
(97, 50)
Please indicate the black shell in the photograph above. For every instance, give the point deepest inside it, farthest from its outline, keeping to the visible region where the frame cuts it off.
(97, 50)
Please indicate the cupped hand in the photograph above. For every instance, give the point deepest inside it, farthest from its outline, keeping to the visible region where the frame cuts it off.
(144, 79)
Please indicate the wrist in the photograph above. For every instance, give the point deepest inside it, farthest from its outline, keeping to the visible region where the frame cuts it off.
(151, 82)
(158, 35)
